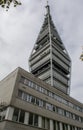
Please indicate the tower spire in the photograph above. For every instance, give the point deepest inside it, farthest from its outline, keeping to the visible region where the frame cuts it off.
(47, 8)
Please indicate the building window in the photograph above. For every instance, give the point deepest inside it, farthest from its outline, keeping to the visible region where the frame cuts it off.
(70, 104)
(2, 114)
(50, 94)
(71, 116)
(54, 125)
(76, 117)
(58, 126)
(73, 128)
(22, 79)
(26, 82)
(60, 111)
(64, 112)
(36, 87)
(47, 123)
(32, 99)
(44, 104)
(45, 91)
(33, 119)
(50, 107)
(43, 122)
(21, 116)
(31, 84)
(70, 127)
(59, 99)
(20, 94)
(0, 118)
(65, 126)
(30, 119)
(18, 115)
(39, 102)
(15, 114)
(67, 114)
(54, 108)
(25, 96)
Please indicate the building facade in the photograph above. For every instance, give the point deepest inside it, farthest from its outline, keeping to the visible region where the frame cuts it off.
(28, 103)
(40, 100)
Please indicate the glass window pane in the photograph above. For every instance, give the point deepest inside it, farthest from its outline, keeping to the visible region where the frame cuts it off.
(67, 114)
(41, 103)
(44, 104)
(47, 123)
(30, 119)
(26, 82)
(28, 98)
(22, 115)
(22, 79)
(20, 93)
(49, 106)
(43, 122)
(33, 99)
(37, 102)
(15, 114)
(36, 87)
(35, 120)
(31, 84)
(25, 96)
(45, 91)
(0, 117)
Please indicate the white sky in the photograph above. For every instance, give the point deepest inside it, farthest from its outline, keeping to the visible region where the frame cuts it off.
(19, 28)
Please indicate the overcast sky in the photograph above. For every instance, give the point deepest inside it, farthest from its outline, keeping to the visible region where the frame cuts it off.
(19, 28)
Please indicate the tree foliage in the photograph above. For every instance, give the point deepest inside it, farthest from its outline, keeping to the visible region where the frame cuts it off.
(6, 3)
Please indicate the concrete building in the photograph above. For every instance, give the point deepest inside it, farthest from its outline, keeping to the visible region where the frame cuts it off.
(41, 101)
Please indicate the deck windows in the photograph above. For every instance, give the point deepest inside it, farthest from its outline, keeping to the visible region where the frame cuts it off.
(19, 116)
(33, 85)
(46, 105)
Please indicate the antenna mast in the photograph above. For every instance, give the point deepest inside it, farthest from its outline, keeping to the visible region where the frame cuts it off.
(81, 57)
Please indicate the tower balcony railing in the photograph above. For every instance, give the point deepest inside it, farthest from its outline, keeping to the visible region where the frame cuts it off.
(45, 75)
(44, 28)
(60, 51)
(44, 33)
(60, 86)
(38, 52)
(62, 64)
(60, 77)
(60, 46)
(39, 57)
(58, 54)
(39, 63)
